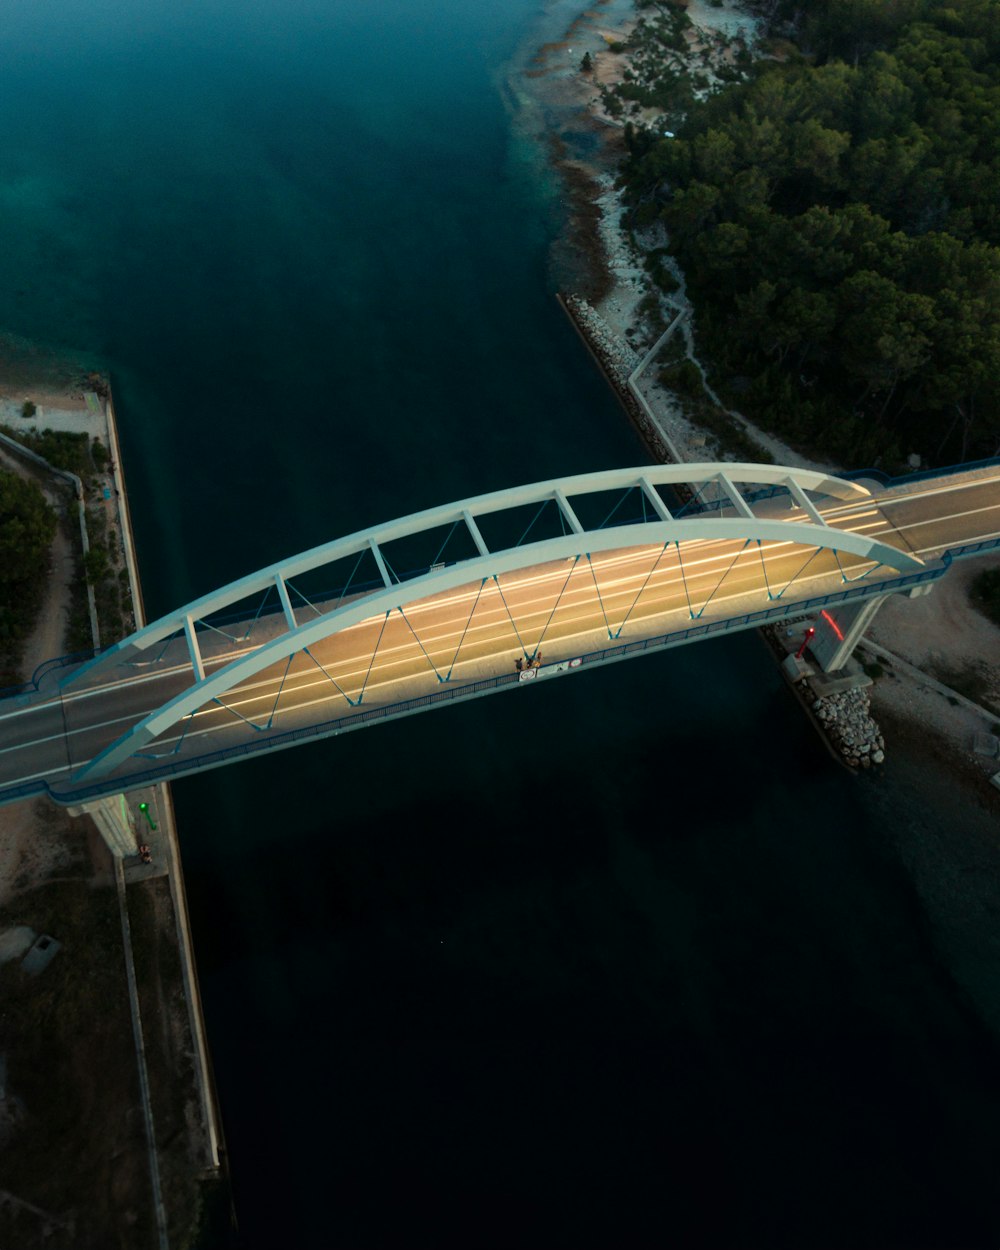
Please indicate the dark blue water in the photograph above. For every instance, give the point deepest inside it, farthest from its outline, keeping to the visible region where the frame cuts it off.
(620, 961)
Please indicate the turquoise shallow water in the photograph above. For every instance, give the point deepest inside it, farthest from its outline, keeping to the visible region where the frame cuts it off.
(620, 961)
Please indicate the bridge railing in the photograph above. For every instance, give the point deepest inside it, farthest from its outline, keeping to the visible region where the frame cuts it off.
(923, 475)
(60, 661)
(878, 475)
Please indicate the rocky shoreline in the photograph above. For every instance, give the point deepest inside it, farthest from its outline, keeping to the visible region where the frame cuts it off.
(848, 722)
(617, 361)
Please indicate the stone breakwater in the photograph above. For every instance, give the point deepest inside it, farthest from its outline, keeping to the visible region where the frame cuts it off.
(617, 357)
(847, 720)
(617, 361)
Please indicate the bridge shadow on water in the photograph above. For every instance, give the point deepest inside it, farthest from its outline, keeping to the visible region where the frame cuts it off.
(661, 985)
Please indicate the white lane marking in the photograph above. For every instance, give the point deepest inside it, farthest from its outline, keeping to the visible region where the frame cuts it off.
(892, 501)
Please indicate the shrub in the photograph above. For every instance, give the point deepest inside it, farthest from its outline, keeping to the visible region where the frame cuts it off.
(96, 565)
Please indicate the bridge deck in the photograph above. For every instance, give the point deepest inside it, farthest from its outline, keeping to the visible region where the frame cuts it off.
(458, 639)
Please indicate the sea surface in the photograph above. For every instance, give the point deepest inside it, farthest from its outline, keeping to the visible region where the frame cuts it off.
(623, 961)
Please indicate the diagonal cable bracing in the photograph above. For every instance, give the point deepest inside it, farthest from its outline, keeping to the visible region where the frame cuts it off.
(600, 598)
(162, 755)
(392, 571)
(308, 602)
(701, 610)
(333, 681)
(860, 576)
(270, 719)
(512, 621)
(163, 650)
(420, 644)
(329, 676)
(281, 686)
(628, 490)
(684, 580)
(618, 632)
(385, 621)
(454, 526)
(763, 568)
(466, 630)
(171, 638)
(576, 561)
(357, 565)
(542, 507)
(691, 502)
(795, 575)
(257, 613)
(237, 637)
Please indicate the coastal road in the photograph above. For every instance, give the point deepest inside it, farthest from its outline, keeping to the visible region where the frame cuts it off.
(566, 608)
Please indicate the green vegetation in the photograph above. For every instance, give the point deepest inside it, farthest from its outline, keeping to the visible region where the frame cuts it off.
(985, 594)
(27, 527)
(102, 569)
(838, 219)
(60, 448)
(28, 410)
(656, 77)
(19, 603)
(685, 381)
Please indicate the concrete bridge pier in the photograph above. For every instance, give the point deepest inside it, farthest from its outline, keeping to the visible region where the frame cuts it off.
(115, 823)
(841, 627)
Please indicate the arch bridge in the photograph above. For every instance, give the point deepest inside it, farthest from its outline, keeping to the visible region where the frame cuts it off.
(493, 592)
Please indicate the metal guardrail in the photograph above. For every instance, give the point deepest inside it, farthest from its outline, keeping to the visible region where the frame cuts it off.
(885, 480)
(60, 661)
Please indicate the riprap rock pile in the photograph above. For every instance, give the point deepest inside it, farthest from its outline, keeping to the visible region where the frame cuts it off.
(847, 720)
(616, 356)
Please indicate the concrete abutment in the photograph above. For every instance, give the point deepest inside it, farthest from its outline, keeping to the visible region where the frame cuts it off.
(840, 627)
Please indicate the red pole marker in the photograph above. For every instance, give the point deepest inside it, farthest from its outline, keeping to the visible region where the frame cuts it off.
(805, 642)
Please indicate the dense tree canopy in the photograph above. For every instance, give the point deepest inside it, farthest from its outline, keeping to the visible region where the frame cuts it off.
(27, 527)
(838, 216)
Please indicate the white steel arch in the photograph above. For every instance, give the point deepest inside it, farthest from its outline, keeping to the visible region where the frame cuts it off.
(667, 529)
(798, 481)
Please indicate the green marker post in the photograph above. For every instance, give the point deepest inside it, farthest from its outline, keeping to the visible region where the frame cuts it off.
(144, 808)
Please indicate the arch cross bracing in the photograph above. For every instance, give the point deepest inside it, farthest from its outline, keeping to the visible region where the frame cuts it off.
(805, 526)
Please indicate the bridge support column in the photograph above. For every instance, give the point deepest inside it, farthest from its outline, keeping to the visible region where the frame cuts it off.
(838, 630)
(115, 823)
(840, 627)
